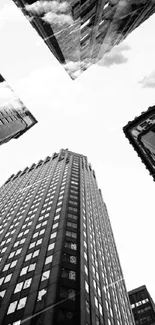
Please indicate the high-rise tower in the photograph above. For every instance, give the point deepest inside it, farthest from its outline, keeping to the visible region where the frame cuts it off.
(15, 118)
(58, 259)
(79, 33)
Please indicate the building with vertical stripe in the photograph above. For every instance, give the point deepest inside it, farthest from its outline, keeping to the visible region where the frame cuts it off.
(58, 259)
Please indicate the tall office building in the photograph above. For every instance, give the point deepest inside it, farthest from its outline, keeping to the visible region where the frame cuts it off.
(58, 261)
(142, 306)
(79, 33)
(141, 134)
(15, 118)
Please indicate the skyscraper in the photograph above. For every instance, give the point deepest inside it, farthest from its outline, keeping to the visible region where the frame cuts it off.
(142, 306)
(15, 118)
(58, 262)
(79, 33)
(141, 134)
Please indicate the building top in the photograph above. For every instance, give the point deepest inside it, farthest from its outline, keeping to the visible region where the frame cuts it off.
(141, 134)
(15, 118)
(79, 33)
(143, 287)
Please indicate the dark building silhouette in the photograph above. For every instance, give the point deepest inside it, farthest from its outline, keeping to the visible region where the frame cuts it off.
(79, 33)
(142, 305)
(141, 134)
(15, 118)
(58, 259)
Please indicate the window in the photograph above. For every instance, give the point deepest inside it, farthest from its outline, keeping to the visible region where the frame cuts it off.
(6, 267)
(72, 216)
(53, 235)
(13, 263)
(72, 275)
(24, 270)
(71, 234)
(71, 294)
(2, 293)
(12, 307)
(86, 270)
(96, 302)
(70, 259)
(1, 280)
(8, 277)
(87, 307)
(32, 245)
(27, 283)
(39, 242)
(72, 224)
(28, 257)
(55, 225)
(51, 246)
(49, 259)
(72, 209)
(36, 253)
(32, 267)
(57, 217)
(86, 286)
(73, 246)
(45, 275)
(22, 303)
(18, 287)
(41, 294)
(85, 256)
(100, 309)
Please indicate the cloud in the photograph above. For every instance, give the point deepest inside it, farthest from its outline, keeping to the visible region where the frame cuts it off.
(43, 7)
(61, 19)
(52, 12)
(115, 56)
(149, 81)
(75, 68)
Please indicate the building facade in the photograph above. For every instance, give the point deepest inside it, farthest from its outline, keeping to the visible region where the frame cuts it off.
(142, 305)
(79, 33)
(58, 259)
(141, 134)
(15, 118)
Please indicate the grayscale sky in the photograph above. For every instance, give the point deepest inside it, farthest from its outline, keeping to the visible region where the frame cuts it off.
(87, 116)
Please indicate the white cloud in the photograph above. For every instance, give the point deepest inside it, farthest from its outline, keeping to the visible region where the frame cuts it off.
(58, 19)
(43, 7)
(115, 56)
(149, 81)
(75, 68)
(52, 12)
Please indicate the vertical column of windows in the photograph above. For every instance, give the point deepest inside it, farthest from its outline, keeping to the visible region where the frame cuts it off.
(93, 247)
(85, 243)
(69, 258)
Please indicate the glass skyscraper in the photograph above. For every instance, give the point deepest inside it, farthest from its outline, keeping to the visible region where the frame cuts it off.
(58, 259)
(79, 33)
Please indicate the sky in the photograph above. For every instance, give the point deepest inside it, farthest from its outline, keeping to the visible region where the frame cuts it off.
(87, 116)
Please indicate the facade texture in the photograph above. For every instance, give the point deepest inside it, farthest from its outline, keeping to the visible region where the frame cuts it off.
(15, 118)
(141, 134)
(142, 306)
(58, 259)
(79, 33)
